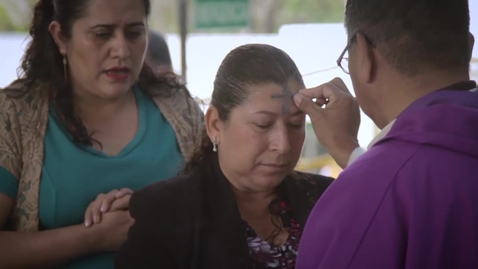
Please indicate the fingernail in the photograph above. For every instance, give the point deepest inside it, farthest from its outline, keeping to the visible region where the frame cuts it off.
(87, 223)
(298, 98)
(103, 208)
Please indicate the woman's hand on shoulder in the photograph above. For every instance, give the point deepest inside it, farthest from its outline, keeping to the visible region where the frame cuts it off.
(107, 202)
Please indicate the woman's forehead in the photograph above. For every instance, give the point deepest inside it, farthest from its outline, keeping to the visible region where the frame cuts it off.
(272, 97)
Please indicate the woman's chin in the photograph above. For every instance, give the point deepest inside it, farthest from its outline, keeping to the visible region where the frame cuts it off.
(115, 92)
(267, 182)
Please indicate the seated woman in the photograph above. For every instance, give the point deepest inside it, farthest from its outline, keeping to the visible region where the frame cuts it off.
(239, 204)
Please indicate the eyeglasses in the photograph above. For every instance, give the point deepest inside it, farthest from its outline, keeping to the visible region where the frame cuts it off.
(343, 60)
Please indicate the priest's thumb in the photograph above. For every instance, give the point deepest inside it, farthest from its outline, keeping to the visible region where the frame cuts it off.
(307, 105)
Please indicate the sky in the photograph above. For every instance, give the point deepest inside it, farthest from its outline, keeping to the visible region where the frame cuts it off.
(473, 6)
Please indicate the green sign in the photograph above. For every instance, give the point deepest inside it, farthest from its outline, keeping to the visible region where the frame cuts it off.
(221, 13)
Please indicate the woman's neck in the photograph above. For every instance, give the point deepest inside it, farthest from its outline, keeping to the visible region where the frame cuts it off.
(254, 204)
(94, 111)
(251, 203)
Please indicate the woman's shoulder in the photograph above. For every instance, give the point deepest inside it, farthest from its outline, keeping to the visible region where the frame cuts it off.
(185, 116)
(182, 102)
(170, 92)
(19, 95)
(11, 93)
(311, 185)
(164, 197)
(22, 103)
(312, 179)
(19, 107)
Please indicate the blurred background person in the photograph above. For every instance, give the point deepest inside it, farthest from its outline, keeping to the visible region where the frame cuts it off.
(158, 52)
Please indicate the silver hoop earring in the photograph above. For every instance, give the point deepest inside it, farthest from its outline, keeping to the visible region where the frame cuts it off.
(214, 145)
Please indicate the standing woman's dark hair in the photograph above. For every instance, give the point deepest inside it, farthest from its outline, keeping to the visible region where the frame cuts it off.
(247, 65)
(42, 62)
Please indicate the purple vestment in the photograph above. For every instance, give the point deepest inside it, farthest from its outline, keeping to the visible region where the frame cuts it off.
(411, 201)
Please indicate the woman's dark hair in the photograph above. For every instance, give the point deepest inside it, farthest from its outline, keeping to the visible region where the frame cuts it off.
(43, 63)
(245, 66)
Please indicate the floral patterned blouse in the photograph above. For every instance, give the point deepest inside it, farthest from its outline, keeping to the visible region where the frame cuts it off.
(264, 255)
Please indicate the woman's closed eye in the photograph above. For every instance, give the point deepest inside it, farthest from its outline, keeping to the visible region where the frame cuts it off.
(264, 126)
(103, 35)
(133, 35)
(297, 124)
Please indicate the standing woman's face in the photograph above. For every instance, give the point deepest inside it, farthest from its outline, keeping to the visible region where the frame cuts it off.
(107, 48)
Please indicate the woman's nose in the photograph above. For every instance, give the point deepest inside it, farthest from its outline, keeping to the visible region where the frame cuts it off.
(280, 141)
(120, 47)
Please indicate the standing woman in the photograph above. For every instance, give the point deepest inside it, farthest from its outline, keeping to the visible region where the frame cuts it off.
(86, 124)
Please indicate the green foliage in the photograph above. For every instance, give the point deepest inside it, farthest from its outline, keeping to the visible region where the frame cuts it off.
(312, 11)
(165, 18)
(6, 25)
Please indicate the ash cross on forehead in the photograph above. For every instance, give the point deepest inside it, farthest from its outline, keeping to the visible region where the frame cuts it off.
(288, 99)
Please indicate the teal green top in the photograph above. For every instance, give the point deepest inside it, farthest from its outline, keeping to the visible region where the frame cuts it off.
(74, 175)
(8, 183)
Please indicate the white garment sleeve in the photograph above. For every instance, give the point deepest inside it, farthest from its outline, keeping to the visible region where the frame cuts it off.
(357, 152)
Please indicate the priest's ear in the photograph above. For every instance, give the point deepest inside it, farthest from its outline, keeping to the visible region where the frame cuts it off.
(471, 44)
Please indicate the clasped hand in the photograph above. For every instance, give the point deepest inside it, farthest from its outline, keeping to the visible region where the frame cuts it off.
(113, 201)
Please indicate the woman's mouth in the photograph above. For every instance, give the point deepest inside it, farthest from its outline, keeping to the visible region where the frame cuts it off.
(275, 167)
(118, 73)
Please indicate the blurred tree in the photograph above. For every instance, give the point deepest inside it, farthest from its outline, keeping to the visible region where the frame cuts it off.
(269, 15)
(6, 23)
(16, 14)
(312, 11)
(266, 15)
(164, 15)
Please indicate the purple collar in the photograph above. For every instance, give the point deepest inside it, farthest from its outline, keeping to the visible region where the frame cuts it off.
(457, 93)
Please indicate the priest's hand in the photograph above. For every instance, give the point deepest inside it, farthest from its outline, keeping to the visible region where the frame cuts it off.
(335, 117)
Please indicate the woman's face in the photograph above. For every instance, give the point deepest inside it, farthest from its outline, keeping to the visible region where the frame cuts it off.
(107, 48)
(262, 140)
